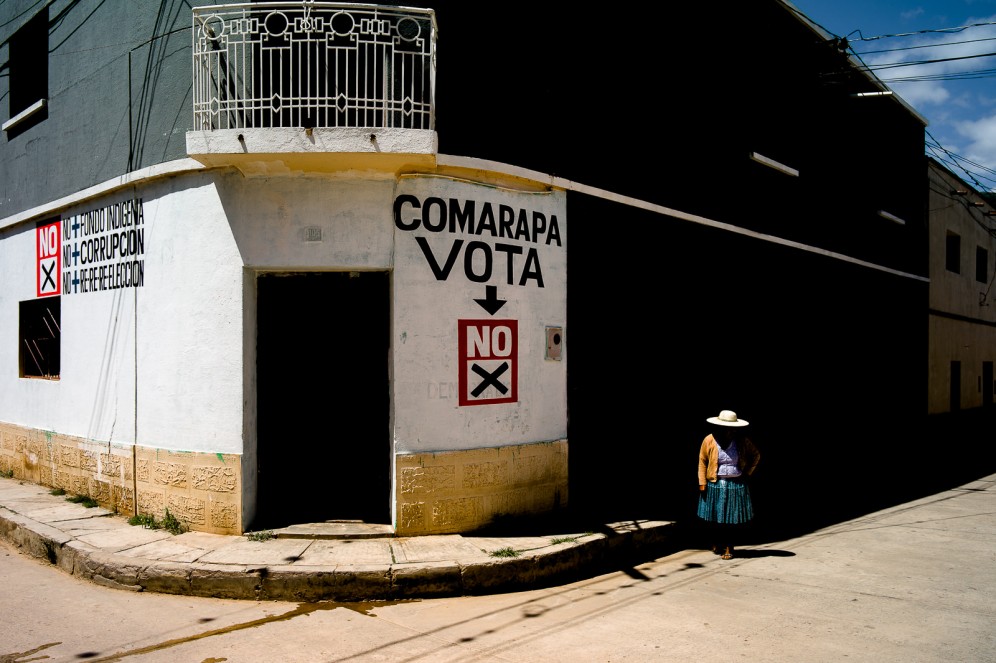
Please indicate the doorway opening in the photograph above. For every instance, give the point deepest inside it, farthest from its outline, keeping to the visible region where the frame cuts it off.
(323, 403)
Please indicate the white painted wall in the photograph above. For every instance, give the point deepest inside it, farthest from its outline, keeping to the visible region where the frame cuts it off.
(186, 342)
(427, 411)
(187, 319)
(95, 396)
(269, 216)
(190, 370)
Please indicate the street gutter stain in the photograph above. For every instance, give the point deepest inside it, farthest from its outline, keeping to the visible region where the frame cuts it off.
(18, 657)
(364, 608)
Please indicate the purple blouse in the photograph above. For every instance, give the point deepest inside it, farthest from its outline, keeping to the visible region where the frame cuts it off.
(728, 461)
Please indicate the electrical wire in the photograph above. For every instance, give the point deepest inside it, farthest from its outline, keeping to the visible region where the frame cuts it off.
(846, 43)
(915, 63)
(962, 201)
(960, 28)
(24, 13)
(961, 158)
(937, 45)
(981, 176)
(972, 75)
(984, 223)
(958, 163)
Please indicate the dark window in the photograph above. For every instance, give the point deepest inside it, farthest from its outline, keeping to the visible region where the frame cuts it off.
(40, 337)
(952, 253)
(27, 59)
(981, 264)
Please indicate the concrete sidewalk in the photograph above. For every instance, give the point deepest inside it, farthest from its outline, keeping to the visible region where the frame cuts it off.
(335, 561)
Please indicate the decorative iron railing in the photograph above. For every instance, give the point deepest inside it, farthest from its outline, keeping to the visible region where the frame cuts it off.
(313, 64)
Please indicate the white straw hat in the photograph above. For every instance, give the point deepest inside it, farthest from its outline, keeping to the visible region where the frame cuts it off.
(727, 418)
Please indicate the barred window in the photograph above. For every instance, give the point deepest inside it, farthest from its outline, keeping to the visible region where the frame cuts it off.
(40, 337)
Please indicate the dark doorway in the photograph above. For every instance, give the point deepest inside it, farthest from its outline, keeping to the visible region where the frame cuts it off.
(323, 400)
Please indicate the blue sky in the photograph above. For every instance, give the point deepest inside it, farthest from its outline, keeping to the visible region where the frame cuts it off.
(957, 95)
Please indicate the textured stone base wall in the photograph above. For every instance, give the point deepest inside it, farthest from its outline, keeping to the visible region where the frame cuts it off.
(101, 471)
(459, 491)
(437, 493)
(202, 490)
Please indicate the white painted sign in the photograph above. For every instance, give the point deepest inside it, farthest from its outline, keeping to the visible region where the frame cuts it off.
(489, 361)
(479, 275)
(48, 256)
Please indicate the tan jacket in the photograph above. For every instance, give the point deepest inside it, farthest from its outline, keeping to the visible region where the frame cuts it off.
(709, 459)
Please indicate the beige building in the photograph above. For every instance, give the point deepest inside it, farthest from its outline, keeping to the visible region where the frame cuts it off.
(962, 314)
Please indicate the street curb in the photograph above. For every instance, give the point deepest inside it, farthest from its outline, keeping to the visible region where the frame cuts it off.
(588, 556)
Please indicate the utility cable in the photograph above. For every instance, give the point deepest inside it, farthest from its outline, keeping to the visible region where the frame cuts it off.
(961, 28)
(24, 13)
(942, 44)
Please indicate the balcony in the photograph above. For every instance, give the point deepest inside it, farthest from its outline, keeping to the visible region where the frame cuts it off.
(282, 82)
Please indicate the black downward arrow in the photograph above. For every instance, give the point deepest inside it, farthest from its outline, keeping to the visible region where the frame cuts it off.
(491, 303)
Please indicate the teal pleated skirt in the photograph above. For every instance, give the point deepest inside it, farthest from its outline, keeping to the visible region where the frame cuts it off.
(727, 502)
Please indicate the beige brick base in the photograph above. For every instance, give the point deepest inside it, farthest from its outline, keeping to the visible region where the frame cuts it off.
(201, 490)
(102, 471)
(459, 491)
(204, 491)
(437, 493)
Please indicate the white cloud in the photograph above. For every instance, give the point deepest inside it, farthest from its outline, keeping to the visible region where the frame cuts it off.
(943, 56)
(920, 94)
(946, 76)
(981, 137)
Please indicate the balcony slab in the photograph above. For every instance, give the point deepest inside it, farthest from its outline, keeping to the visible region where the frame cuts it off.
(287, 150)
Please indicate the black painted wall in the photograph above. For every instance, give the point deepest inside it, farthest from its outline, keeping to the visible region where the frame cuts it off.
(668, 321)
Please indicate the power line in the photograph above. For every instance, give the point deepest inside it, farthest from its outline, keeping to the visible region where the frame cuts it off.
(935, 45)
(915, 63)
(919, 32)
(846, 43)
(25, 12)
(958, 75)
(973, 170)
(953, 76)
